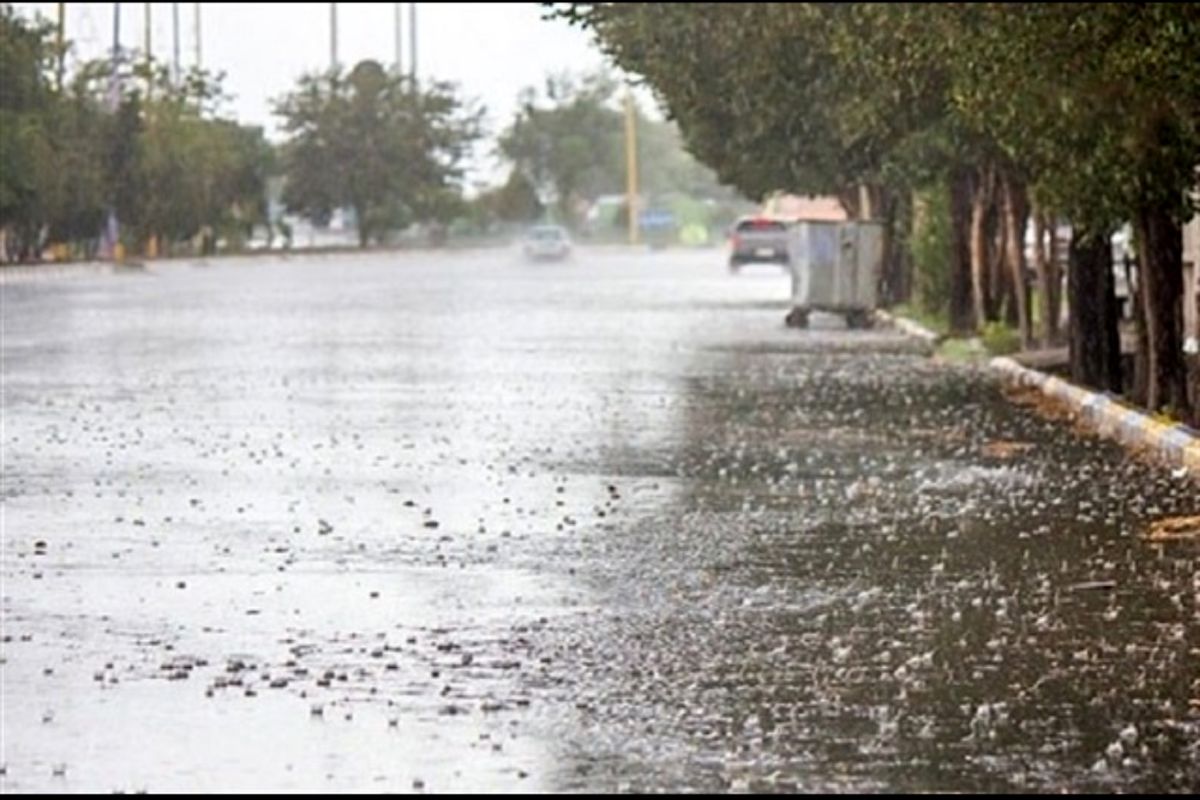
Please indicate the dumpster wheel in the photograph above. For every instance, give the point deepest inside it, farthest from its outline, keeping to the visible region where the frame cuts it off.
(797, 318)
(859, 319)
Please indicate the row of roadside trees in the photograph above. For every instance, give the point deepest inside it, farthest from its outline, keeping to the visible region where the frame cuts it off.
(122, 141)
(567, 144)
(100, 144)
(998, 117)
(121, 153)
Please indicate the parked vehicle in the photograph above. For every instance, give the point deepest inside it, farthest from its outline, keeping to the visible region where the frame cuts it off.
(758, 240)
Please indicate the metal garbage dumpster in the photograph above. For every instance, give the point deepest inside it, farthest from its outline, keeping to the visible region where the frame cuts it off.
(835, 268)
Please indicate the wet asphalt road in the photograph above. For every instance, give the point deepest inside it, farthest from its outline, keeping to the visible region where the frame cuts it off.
(455, 522)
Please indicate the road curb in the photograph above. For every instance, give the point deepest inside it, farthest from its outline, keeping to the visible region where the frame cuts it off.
(1176, 444)
(14, 273)
(908, 326)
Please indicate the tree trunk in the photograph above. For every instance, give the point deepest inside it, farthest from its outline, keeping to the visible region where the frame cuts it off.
(961, 317)
(1137, 301)
(901, 225)
(980, 285)
(883, 207)
(1054, 282)
(1003, 292)
(851, 200)
(1161, 273)
(1016, 214)
(364, 231)
(1002, 305)
(1095, 342)
(1043, 275)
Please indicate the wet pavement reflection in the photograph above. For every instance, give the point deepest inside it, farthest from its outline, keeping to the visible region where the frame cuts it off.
(456, 522)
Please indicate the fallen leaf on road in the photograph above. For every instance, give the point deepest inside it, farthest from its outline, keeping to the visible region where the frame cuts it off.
(1043, 404)
(1174, 529)
(1005, 449)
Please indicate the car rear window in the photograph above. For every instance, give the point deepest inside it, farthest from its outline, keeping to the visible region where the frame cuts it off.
(759, 225)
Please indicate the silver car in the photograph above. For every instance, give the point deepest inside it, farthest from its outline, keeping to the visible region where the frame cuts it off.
(547, 243)
(758, 240)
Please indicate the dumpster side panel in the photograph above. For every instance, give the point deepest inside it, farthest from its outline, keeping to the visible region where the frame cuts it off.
(823, 248)
(846, 284)
(835, 266)
(798, 262)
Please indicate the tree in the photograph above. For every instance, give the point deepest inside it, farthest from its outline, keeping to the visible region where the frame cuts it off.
(374, 142)
(1088, 112)
(117, 136)
(516, 201)
(567, 142)
(26, 96)
(1099, 105)
(788, 97)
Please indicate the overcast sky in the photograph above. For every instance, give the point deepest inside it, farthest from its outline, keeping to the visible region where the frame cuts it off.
(492, 50)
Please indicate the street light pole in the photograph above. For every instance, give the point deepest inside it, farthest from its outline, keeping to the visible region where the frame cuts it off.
(114, 88)
(631, 167)
(175, 31)
(62, 50)
(199, 39)
(149, 49)
(333, 36)
(397, 15)
(116, 47)
(412, 40)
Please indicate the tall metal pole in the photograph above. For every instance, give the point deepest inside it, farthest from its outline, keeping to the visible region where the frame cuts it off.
(116, 49)
(175, 31)
(62, 48)
(114, 89)
(412, 41)
(333, 37)
(398, 15)
(114, 229)
(199, 38)
(148, 23)
(631, 166)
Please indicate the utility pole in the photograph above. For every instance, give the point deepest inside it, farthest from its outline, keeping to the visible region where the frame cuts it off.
(114, 88)
(62, 47)
(199, 39)
(398, 15)
(175, 30)
(152, 241)
(149, 50)
(116, 48)
(333, 37)
(631, 166)
(412, 41)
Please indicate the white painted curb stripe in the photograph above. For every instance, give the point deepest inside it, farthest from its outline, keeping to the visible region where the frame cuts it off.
(1176, 444)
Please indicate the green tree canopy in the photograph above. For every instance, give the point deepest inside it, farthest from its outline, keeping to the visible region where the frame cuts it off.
(372, 141)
